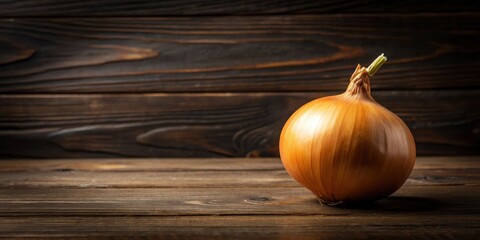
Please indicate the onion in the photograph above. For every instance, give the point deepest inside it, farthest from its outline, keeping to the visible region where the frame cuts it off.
(348, 148)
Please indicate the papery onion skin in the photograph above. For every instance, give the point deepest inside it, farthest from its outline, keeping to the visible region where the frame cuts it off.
(348, 148)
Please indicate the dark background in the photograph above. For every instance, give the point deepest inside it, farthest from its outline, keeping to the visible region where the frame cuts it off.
(202, 78)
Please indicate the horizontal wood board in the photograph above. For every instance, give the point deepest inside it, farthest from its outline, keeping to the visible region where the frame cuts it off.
(438, 207)
(237, 54)
(51, 8)
(241, 227)
(209, 125)
(195, 173)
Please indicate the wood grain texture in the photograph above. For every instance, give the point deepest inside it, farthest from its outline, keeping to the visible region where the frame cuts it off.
(236, 54)
(432, 164)
(199, 173)
(241, 227)
(223, 210)
(72, 179)
(230, 200)
(209, 125)
(50, 8)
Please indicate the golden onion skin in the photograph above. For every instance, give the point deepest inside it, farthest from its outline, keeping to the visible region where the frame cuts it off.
(348, 148)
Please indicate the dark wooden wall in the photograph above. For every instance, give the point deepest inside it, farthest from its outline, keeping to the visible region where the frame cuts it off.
(204, 78)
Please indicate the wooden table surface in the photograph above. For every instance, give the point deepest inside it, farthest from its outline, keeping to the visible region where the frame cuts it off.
(226, 198)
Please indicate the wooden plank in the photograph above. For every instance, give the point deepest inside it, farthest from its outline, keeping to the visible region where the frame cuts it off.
(236, 54)
(233, 212)
(57, 8)
(198, 173)
(197, 179)
(241, 227)
(161, 165)
(203, 179)
(199, 164)
(445, 162)
(421, 200)
(208, 125)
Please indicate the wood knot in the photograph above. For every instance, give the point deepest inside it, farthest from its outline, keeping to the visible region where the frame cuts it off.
(63, 170)
(259, 199)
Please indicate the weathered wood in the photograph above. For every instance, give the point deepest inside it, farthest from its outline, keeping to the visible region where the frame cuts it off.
(198, 164)
(236, 54)
(241, 227)
(421, 200)
(199, 173)
(252, 211)
(66, 178)
(165, 164)
(202, 179)
(57, 8)
(197, 179)
(208, 125)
